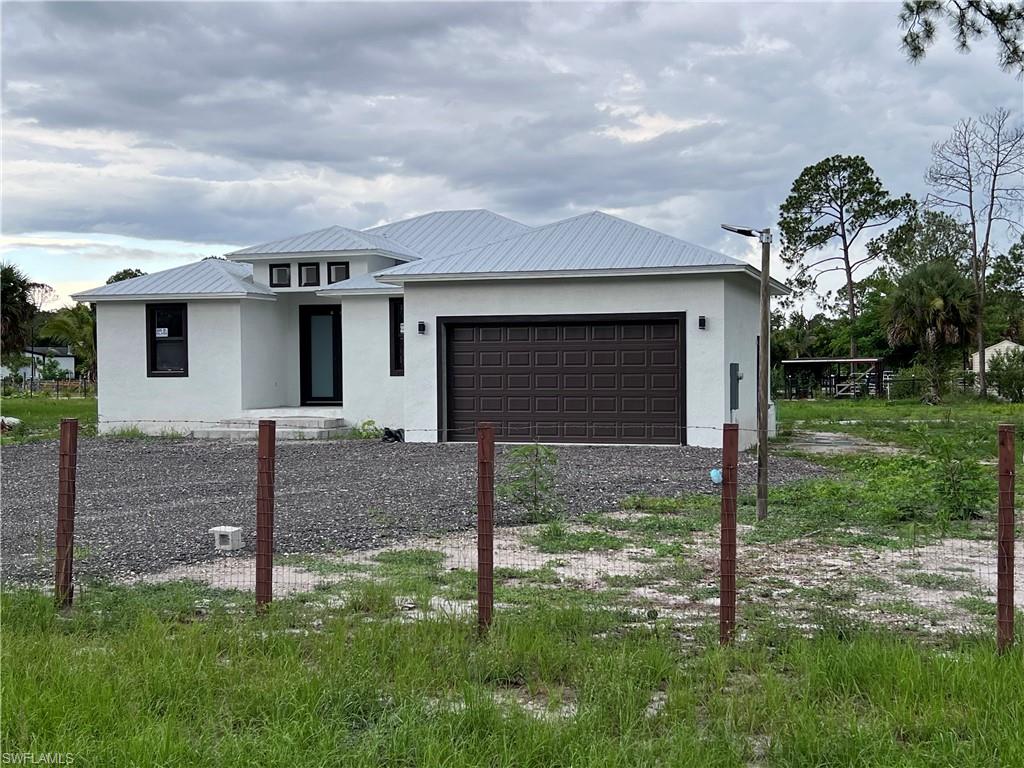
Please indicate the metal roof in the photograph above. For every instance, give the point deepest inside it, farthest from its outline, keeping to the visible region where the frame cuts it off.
(327, 240)
(208, 278)
(591, 242)
(358, 284)
(445, 232)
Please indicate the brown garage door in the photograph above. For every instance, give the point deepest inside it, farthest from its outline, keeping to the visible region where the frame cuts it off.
(603, 382)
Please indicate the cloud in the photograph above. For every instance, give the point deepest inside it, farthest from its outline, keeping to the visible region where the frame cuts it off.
(239, 123)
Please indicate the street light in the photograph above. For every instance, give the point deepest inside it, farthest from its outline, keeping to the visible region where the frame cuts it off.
(765, 236)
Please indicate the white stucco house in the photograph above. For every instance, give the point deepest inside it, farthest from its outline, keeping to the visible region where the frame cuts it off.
(999, 348)
(592, 329)
(37, 357)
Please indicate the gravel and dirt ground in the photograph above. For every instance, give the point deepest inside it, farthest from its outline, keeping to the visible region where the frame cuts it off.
(145, 505)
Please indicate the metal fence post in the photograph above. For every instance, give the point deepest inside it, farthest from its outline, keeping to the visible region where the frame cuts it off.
(485, 524)
(727, 584)
(1005, 556)
(265, 513)
(63, 579)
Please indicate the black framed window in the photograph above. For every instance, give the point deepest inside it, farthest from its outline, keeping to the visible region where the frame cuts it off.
(337, 271)
(309, 274)
(167, 339)
(396, 307)
(280, 275)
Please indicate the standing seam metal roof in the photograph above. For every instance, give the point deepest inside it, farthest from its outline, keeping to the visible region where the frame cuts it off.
(330, 239)
(209, 277)
(444, 232)
(592, 241)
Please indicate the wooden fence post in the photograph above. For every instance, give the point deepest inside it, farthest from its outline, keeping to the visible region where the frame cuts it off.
(727, 584)
(63, 571)
(485, 524)
(1007, 523)
(265, 513)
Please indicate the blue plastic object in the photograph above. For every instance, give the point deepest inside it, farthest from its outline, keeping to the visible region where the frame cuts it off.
(716, 476)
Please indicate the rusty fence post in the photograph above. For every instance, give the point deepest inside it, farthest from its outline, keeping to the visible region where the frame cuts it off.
(265, 513)
(63, 584)
(727, 584)
(485, 524)
(1007, 523)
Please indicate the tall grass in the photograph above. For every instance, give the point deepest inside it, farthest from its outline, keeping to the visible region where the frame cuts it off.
(139, 678)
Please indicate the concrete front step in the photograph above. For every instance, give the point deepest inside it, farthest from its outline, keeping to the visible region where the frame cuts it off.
(283, 433)
(299, 422)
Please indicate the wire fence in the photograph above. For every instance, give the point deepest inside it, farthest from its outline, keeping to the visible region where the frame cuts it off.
(63, 387)
(643, 534)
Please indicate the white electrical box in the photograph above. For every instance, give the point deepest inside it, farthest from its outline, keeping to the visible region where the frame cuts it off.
(227, 538)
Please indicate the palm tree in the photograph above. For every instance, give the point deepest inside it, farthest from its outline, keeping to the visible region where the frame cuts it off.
(76, 327)
(17, 309)
(934, 308)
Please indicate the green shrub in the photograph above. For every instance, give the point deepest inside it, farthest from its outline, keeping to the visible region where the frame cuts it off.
(961, 485)
(1006, 374)
(528, 482)
(366, 430)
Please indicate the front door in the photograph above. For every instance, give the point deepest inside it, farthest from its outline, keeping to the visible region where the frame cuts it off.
(320, 354)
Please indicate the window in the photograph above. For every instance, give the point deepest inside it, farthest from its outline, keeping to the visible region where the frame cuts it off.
(397, 336)
(280, 275)
(167, 339)
(337, 271)
(309, 274)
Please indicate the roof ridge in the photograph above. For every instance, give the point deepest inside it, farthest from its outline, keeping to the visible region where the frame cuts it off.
(665, 234)
(446, 210)
(530, 231)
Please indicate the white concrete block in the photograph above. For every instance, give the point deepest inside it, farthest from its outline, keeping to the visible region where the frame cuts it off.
(227, 538)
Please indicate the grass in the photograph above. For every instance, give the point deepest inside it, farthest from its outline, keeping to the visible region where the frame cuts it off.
(138, 679)
(971, 421)
(40, 416)
(557, 538)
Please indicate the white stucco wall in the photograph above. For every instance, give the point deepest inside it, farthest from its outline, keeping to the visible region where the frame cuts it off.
(742, 325)
(357, 265)
(212, 389)
(267, 376)
(706, 366)
(369, 389)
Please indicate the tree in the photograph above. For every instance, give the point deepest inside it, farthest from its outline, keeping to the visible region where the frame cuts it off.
(978, 172)
(934, 308)
(76, 327)
(1007, 371)
(836, 199)
(1004, 296)
(124, 274)
(16, 308)
(50, 370)
(969, 20)
(925, 236)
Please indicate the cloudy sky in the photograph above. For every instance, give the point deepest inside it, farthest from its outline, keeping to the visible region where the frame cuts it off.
(149, 135)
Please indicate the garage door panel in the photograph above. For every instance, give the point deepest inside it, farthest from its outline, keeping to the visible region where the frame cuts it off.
(577, 381)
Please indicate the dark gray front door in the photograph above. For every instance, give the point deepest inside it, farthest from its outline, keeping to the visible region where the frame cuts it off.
(320, 354)
(614, 381)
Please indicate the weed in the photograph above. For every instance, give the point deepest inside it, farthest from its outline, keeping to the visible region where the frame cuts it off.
(365, 430)
(557, 537)
(528, 482)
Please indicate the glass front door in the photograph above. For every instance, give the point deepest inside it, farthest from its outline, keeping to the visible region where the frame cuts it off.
(320, 354)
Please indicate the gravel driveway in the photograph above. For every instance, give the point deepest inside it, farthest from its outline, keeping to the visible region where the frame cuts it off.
(146, 505)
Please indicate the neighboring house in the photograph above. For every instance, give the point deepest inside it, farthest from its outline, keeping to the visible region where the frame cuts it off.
(592, 329)
(999, 347)
(62, 355)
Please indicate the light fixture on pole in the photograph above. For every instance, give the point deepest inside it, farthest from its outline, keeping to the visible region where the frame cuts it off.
(765, 236)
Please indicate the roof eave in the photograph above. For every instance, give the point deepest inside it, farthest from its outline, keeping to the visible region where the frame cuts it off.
(779, 289)
(91, 299)
(239, 256)
(393, 290)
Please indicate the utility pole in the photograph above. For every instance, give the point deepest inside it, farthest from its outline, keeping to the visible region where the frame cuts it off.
(763, 363)
(763, 377)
